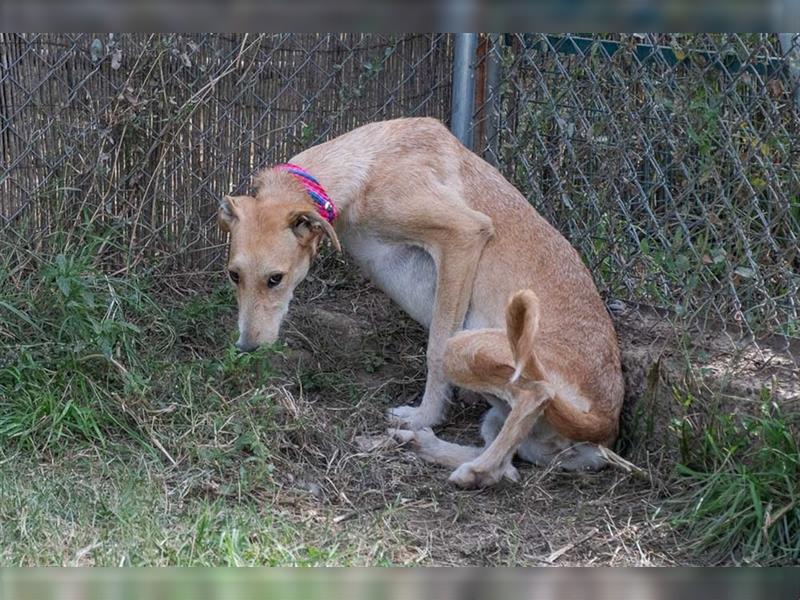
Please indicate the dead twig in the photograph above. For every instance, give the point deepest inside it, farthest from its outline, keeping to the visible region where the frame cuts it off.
(617, 461)
(561, 551)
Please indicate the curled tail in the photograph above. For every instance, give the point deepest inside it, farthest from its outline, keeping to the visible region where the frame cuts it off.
(564, 412)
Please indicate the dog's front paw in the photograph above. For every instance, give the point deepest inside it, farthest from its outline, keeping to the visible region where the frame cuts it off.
(471, 476)
(412, 417)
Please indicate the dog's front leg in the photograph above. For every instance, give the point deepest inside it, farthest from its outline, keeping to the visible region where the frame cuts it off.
(456, 252)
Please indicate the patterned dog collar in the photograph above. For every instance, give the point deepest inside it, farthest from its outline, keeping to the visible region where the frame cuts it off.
(316, 192)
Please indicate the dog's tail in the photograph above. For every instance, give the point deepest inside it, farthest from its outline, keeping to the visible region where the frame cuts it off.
(565, 411)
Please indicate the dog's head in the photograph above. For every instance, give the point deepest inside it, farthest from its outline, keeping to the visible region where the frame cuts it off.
(274, 236)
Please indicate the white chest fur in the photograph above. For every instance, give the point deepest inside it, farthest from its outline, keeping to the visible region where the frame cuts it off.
(407, 274)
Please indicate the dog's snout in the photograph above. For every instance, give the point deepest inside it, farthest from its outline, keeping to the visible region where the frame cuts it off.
(245, 346)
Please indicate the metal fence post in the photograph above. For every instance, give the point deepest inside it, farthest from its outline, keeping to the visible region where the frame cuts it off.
(790, 45)
(463, 100)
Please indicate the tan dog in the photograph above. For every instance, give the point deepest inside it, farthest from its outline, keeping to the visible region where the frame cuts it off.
(458, 248)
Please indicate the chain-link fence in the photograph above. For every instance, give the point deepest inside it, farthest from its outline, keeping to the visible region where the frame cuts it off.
(145, 133)
(671, 161)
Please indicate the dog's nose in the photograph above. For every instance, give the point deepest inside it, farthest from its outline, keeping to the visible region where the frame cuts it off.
(245, 347)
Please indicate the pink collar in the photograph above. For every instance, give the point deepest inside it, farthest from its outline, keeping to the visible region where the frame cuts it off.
(314, 189)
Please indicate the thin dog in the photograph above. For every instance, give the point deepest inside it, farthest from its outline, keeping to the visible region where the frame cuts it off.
(512, 311)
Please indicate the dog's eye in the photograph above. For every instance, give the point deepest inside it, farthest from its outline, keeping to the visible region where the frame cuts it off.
(234, 277)
(274, 280)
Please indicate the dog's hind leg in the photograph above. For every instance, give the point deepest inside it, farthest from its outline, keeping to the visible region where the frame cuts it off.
(492, 421)
(425, 444)
(489, 467)
(481, 360)
(430, 448)
(543, 446)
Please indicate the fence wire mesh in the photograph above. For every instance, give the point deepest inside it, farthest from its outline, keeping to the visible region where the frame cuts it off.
(145, 133)
(670, 161)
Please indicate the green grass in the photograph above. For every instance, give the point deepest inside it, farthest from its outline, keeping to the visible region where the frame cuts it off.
(86, 356)
(738, 487)
(132, 432)
(119, 515)
(729, 472)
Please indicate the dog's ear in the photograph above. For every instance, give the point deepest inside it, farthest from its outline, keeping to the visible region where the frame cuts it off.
(310, 226)
(226, 215)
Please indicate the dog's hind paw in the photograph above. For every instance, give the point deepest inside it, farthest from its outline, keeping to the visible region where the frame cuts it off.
(412, 417)
(424, 443)
(401, 436)
(419, 440)
(470, 476)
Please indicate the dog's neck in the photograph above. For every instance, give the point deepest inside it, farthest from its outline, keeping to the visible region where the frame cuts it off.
(341, 173)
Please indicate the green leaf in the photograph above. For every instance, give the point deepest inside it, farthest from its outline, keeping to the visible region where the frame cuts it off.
(13, 309)
(64, 285)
